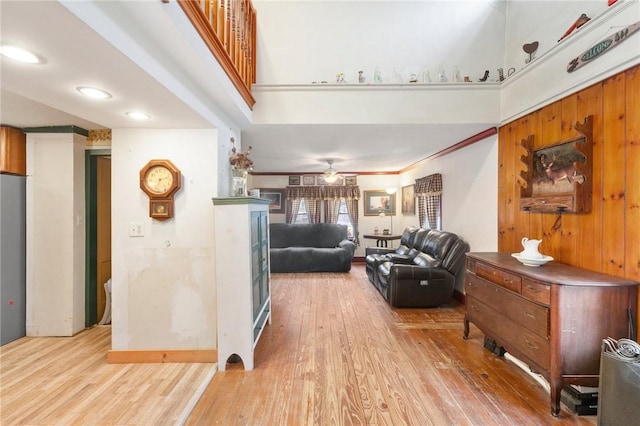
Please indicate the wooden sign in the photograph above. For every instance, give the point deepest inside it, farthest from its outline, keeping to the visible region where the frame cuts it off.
(602, 46)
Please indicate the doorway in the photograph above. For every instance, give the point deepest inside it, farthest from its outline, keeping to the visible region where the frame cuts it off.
(98, 267)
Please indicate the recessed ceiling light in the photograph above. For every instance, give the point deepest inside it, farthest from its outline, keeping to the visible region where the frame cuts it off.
(19, 54)
(138, 115)
(94, 93)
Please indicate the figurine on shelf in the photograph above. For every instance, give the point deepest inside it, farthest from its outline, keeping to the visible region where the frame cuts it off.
(361, 78)
(340, 78)
(530, 49)
(413, 78)
(426, 77)
(500, 74)
(442, 77)
(485, 77)
(456, 75)
(377, 77)
(397, 77)
(582, 19)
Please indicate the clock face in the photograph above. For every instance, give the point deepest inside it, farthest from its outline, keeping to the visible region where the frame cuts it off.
(158, 179)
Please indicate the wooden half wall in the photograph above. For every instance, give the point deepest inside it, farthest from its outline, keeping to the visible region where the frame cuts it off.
(607, 239)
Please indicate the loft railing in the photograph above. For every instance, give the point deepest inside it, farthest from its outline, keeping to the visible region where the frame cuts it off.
(228, 27)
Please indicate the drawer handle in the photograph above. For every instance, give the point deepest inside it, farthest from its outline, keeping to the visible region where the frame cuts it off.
(530, 315)
(507, 280)
(533, 289)
(531, 345)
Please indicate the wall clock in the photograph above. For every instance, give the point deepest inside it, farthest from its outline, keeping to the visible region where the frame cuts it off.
(160, 180)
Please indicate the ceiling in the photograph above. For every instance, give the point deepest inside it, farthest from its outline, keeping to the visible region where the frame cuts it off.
(176, 89)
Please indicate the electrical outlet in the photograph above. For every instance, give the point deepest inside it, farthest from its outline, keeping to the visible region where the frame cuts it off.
(136, 229)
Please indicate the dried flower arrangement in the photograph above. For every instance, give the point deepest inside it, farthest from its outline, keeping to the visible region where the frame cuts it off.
(240, 160)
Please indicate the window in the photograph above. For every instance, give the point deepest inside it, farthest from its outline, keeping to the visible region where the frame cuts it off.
(343, 218)
(301, 216)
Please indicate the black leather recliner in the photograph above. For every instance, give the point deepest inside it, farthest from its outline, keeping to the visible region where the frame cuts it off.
(378, 255)
(425, 275)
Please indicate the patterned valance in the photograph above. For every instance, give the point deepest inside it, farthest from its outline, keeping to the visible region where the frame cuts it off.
(429, 186)
(323, 192)
(342, 192)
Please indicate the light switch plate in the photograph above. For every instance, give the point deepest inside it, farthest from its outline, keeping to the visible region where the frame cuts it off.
(136, 229)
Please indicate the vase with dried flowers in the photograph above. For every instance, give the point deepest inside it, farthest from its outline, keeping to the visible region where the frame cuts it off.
(240, 166)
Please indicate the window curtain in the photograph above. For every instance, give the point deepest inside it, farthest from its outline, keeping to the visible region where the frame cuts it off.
(428, 190)
(352, 209)
(350, 195)
(331, 210)
(312, 196)
(331, 195)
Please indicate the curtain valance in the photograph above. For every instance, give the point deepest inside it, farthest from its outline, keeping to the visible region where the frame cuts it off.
(323, 192)
(429, 186)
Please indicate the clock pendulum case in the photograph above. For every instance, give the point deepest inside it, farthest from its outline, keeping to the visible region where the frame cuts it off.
(160, 180)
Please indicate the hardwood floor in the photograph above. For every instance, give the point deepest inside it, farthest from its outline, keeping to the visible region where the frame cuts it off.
(67, 381)
(335, 353)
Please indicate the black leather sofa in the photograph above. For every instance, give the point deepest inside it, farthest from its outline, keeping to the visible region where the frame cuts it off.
(315, 247)
(421, 272)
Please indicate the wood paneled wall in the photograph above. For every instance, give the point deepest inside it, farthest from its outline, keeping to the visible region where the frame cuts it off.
(608, 238)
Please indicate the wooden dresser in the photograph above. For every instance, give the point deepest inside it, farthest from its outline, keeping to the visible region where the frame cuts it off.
(552, 317)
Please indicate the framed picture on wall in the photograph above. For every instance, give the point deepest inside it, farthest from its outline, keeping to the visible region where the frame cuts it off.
(308, 180)
(294, 180)
(378, 201)
(351, 180)
(276, 196)
(408, 200)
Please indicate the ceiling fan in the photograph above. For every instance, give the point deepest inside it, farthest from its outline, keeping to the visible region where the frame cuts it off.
(330, 175)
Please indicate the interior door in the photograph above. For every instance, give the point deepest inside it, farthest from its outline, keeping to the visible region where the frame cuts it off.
(103, 230)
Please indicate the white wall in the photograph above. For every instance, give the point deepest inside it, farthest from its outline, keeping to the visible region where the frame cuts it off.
(164, 282)
(469, 192)
(55, 234)
(305, 41)
(546, 78)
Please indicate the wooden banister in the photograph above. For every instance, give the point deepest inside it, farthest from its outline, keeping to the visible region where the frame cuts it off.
(228, 28)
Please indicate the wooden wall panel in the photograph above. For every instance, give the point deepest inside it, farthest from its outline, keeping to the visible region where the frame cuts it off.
(613, 165)
(589, 230)
(608, 238)
(569, 222)
(632, 175)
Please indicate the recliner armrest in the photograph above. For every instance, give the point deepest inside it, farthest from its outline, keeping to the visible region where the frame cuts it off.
(399, 258)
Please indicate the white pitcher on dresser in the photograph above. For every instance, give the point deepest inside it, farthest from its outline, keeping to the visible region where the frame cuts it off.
(531, 248)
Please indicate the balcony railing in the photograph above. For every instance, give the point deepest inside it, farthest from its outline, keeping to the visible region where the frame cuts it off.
(228, 27)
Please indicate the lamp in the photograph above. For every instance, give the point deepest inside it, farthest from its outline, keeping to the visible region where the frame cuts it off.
(331, 174)
(383, 215)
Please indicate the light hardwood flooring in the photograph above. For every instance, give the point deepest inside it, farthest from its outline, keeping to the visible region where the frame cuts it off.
(337, 354)
(334, 354)
(67, 381)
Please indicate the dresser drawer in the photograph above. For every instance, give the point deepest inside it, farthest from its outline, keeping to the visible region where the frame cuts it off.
(536, 291)
(509, 334)
(502, 278)
(518, 309)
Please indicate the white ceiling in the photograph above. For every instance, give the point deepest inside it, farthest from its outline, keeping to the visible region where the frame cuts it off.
(171, 80)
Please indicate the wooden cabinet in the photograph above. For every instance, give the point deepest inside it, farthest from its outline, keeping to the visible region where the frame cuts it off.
(242, 276)
(13, 151)
(552, 317)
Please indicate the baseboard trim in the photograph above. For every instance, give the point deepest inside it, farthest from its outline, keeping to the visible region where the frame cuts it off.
(358, 259)
(159, 356)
